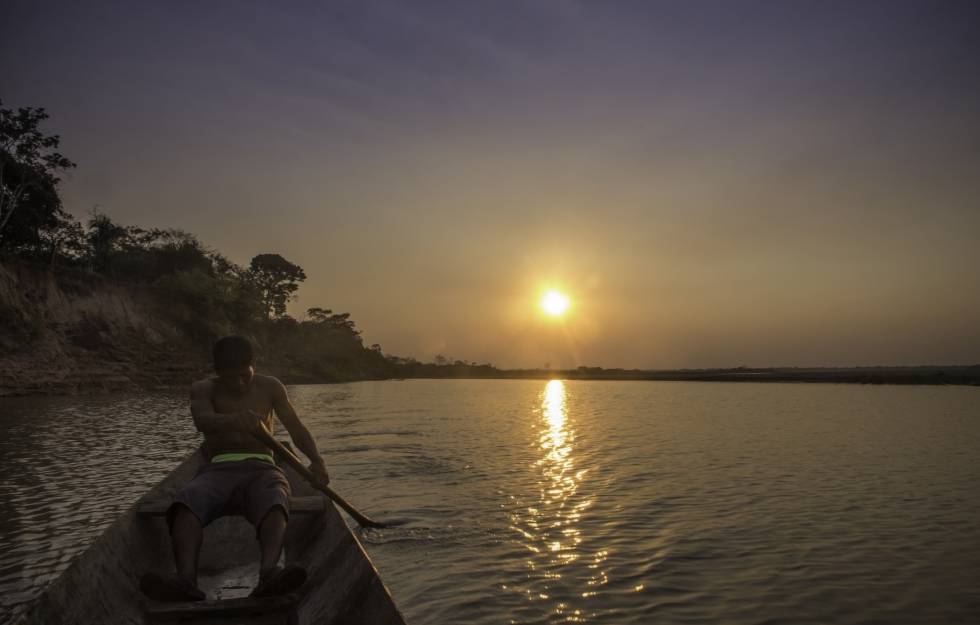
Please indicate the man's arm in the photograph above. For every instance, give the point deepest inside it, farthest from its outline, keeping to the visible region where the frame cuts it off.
(207, 420)
(297, 431)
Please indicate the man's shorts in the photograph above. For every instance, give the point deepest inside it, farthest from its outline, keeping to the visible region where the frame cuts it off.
(249, 488)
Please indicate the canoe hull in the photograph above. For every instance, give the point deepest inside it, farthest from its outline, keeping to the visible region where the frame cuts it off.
(102, 584)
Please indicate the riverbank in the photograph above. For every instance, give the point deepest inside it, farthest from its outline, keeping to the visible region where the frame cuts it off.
(76, 332)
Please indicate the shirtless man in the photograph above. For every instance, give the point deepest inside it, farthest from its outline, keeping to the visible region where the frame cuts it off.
(240, 478)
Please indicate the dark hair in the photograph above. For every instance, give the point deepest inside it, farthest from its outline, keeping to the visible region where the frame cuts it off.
(232, 352)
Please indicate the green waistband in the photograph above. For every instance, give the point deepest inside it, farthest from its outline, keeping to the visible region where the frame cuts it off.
(245, 456)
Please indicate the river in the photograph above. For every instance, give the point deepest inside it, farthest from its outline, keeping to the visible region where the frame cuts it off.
(573, 501)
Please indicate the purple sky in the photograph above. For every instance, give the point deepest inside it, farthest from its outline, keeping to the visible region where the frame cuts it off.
(712, 183)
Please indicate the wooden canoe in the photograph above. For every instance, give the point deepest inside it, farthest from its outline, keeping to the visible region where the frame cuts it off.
(102, 584)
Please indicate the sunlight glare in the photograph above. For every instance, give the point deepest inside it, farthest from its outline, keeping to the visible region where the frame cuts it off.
(554, 303)
(554, 412)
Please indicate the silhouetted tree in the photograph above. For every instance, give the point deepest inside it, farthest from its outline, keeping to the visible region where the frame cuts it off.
(319, 315)
(342, 321)
(146, 255)
(277, 280)
(224, 267)
(104, 238)
(29, 164)
(66, 239)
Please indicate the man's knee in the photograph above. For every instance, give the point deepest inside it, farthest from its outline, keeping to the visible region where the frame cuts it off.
(180, 518)
(275, 515)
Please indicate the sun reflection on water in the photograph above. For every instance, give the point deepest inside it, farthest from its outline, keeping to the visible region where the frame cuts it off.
(549, 527)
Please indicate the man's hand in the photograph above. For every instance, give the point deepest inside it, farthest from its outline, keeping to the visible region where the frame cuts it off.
(319, 471)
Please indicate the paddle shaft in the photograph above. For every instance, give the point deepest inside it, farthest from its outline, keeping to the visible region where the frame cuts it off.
(300, 468)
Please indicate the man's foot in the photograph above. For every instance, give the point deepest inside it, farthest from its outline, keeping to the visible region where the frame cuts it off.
(279, 581)
(169, 588)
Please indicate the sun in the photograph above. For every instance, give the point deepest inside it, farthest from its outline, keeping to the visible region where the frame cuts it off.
(554, 303)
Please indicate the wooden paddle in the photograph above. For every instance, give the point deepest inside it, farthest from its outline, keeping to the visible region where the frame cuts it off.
(263, 435)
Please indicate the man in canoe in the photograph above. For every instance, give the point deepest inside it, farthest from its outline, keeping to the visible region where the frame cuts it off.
(241, 476)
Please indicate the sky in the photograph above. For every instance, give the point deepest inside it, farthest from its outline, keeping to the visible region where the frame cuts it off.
(712, 184)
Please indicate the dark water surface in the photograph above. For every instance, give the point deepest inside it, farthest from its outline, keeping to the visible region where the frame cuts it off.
(553, 502)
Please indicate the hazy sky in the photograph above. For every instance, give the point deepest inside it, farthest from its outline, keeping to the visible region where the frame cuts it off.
(712, 183)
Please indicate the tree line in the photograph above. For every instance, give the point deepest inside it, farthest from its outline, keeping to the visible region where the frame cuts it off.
(207, 294)
(220, 295)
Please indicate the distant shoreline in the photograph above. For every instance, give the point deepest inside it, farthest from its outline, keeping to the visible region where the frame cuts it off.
(77, 332)
(918, 375)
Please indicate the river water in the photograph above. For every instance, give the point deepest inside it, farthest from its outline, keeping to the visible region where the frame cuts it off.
(573, 501)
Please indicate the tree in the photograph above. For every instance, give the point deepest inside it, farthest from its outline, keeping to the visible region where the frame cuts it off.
(277, 280)
(145, 255)
(343, 322)
(104, 238)
(29, 164)
(66, 238)
(319, 315)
